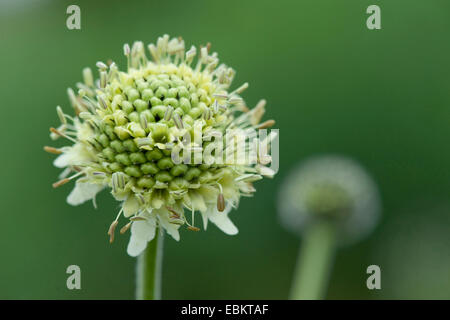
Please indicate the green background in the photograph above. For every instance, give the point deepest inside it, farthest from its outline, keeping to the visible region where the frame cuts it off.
(333, 86)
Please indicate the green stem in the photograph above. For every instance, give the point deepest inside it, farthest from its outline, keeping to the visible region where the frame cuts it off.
(149, 269)
(314, 262)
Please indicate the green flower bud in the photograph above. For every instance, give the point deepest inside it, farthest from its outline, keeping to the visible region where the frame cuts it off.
(155, 154)
(149, 168)
(146, 182)
(163, 176)
(132, 94)
(104, 140)
(123, 158)
(130, 145)
(140, 105)
(154, 101)
(115, 167)
(133, 171)
(192, 173)
(127, 106)
(134, 116)
(165, 163)
(147, 94)
(137, 157)
(117, 146)
(178, 184)
(109, 154)
(122, 133)
(195, 112)
(160, 131)
(179, 169)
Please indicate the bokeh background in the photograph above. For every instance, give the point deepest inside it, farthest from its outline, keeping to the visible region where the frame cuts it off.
(380, 97)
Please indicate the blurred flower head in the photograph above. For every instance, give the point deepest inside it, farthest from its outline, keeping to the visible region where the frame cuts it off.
(333, 188)
(128, 125)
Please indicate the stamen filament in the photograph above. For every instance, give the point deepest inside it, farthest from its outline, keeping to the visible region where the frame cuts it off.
(52, 150)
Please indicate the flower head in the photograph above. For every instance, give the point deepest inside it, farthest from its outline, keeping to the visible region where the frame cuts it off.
(333, 188)
(128, 125)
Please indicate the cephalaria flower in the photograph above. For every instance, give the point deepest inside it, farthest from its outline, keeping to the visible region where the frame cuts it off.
(332, 188)
(127, 126)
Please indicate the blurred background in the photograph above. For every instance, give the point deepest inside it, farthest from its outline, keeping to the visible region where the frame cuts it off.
(333, 86)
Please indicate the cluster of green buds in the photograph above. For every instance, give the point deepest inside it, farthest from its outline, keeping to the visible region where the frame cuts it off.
(127, 126)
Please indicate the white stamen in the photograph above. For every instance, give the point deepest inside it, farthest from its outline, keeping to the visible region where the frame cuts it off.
(248, 178)
(143, 142)
(126, 49)
(178, 122)
(101, 65)
(204, 54)
(241, 88)
(61, 116)
(220, 95)
(59, 133)
(118, 181)
(88, 78)
(153, 52)
(73, 99)
(85, 115)
(102, 102)
(207, 114)
(190, 54)
(260, 104)
(216, 107)
(235, 100)
(143, 121)
(265, 171)
(140, 198)
(168, 113)
(103, 76)
(126, 52)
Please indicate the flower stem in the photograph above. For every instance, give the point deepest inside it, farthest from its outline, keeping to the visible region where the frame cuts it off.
(149, 269)
(314, 262)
